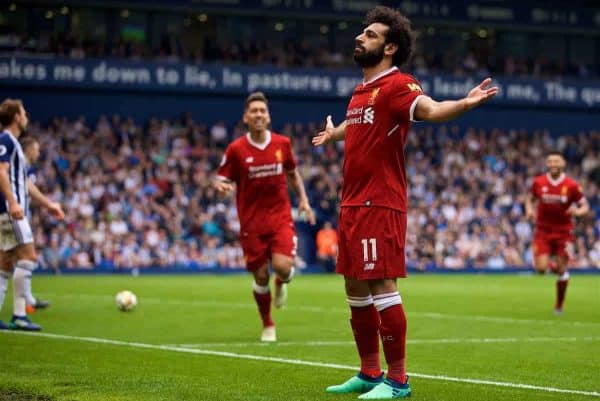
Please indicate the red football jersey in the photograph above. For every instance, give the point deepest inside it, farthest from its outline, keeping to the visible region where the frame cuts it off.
(554, 199)
(259, 171)
(377, 122)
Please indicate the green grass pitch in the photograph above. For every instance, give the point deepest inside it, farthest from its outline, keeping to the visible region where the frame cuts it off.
(196, 338)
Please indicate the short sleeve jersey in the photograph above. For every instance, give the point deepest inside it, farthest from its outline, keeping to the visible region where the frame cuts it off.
(377, 122)
(555, 197)
(259, 171)
(12, 153)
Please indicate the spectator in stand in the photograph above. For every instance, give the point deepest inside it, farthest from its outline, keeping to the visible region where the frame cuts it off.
(327, 247)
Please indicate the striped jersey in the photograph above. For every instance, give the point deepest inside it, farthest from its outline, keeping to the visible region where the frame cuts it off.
(12, 153)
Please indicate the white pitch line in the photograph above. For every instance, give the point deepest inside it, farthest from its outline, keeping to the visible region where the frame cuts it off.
(264, 344)
(252, 306)
(415, 341)
(298, 362)
(498, 319)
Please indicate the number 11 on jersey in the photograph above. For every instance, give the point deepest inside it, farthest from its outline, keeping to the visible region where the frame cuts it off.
(369, 257)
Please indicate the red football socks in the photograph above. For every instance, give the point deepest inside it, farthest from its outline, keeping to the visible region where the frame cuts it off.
(365, 326)
(393, 336)
(561, 291)
(263, 301)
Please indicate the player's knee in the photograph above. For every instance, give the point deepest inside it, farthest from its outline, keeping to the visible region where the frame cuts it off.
(282, 263)
(540, 265)
(6, 262)
(283, 268)
(261, 276)
(26, 252)
(383, 286)
(7, 268)
(285, 275)
(358, 288)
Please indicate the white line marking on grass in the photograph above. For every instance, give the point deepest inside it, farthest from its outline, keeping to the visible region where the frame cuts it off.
(498, 319)
(263, 344)
(333, 309)
(298, 362)
(415, 341)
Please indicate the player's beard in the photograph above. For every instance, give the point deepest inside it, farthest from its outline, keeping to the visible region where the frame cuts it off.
(369, 58)
(555, 172)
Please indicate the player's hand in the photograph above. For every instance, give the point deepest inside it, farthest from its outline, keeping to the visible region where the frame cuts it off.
(530, 215)
(15, 210)
(223, 187)
(304, 207)
(325, 136)
(573, 212)
(56, 210)
(481, 93)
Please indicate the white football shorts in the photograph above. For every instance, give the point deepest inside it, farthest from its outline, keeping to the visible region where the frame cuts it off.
(14, 232)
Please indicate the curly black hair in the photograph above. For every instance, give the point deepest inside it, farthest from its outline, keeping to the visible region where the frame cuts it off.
(399, 33)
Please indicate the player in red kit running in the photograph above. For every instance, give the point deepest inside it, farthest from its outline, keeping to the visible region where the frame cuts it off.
(261, 163)
(559, 199)
(372, 222)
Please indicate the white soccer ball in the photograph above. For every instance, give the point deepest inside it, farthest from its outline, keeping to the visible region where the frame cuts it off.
(126, 301)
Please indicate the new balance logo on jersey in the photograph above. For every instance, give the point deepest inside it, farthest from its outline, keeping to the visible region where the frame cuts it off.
(369, 115)
(249, 159)
(369, 266)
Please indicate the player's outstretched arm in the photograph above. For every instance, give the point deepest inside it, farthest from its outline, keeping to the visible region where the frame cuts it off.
(223, 185)
(303, 204)
(331, 133)
(582, 208)
(14, 209)
(428, 109)
(38, 197)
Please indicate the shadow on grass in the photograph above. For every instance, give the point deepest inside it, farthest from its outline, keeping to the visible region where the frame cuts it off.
(14, 394)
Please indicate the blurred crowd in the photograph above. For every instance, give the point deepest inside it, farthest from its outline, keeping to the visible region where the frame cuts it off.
(468, 188)
(482, 60)
(138, 196)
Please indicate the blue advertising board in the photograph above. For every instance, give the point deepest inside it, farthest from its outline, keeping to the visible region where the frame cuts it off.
(214, 79)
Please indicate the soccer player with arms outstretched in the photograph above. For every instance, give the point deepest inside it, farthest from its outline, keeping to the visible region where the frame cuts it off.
(559, 198)
(17, 251)
(260, 164)
(372, 222)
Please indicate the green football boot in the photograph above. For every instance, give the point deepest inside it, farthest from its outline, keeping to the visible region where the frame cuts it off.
(388, 390)
(356, 384)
